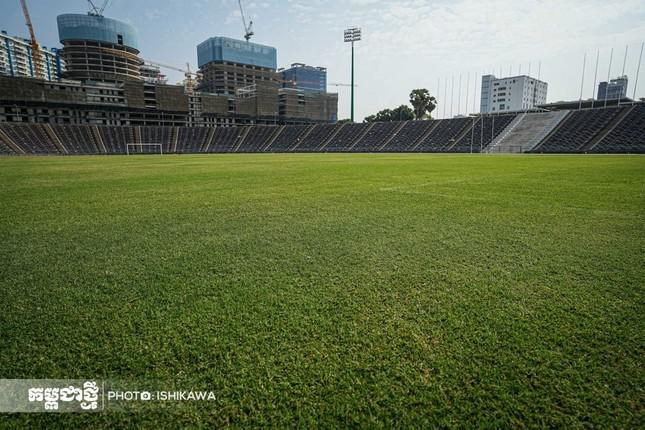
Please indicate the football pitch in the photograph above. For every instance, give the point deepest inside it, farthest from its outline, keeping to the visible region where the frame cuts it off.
(326, 290)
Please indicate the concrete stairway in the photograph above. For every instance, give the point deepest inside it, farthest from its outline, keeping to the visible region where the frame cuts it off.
(518, 119)
(528, 132)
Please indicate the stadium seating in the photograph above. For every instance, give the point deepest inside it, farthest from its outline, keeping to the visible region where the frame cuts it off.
(317, 137)
(375, 137)
(289, 138)
(31, 138)
(443, 135)
(478, 140)
(600, 130)
(257, 138)
(116, 138)
(628, 136)
(77, 140)
(530, 130)
(577, 130)
(407, 136)
(191, 139)
(346, 137)
(225, 139)
(5, 148)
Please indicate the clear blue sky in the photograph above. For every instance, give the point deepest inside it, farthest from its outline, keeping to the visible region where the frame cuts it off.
(407, 43)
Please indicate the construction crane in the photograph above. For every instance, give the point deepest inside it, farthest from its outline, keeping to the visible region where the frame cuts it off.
(191, 77)
(294, 83)
(248, 30)
(37, 58)
(97, 11)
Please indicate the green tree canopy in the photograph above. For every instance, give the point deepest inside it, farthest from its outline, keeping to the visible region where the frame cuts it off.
(401, 113)
(423, 103)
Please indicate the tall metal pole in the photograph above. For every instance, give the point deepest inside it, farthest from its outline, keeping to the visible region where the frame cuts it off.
(352, 81)
(475, 94)
(459, 97)
(352, 35)
(638, 71)
(625, 60)
(445, 97)
(595, 79)
(467, 93)
(438, 92)
(452, 95)
(582, 84)
(623, 73)
(611, 58)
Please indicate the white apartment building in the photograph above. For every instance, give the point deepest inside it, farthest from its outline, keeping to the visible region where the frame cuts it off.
(511, 94)
(16, 59)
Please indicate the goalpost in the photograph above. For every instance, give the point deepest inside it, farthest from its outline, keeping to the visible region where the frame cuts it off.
(142, 145)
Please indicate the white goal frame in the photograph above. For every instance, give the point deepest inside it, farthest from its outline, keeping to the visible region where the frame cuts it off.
(128, 145)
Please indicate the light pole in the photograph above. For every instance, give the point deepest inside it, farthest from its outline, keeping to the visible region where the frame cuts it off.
(352, 35)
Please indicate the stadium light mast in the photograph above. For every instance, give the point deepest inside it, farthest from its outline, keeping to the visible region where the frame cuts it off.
(352, 35)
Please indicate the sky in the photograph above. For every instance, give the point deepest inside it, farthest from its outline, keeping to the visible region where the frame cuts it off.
(406, 44)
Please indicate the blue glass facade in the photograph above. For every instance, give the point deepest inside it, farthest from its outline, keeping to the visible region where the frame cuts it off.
(616, 89)
(305, 78)
(221, 49)
(97, 29)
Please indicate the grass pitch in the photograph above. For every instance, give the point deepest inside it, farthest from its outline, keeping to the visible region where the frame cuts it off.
(332, 290)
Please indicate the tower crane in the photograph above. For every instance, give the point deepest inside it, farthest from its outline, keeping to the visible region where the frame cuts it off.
(294, 83)
(248, 29)
(36, 55)
(97, 11)
(191, 77)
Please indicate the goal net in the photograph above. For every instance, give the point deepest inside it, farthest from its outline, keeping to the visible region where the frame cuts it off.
(144, 148)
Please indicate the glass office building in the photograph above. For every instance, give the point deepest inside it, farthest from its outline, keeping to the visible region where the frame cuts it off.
(303, 77)
(96, 28)
(223, 49)
(97, 48)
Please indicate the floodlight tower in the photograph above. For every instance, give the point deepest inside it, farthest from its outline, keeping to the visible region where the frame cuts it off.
(352, 35)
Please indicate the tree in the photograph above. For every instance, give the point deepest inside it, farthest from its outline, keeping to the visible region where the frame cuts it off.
(423, 103)
(344, 121)
(401, 113)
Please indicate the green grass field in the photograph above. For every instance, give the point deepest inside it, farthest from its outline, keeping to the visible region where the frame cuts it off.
(332, 290)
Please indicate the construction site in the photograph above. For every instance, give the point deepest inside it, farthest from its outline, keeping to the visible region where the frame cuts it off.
(100, 77)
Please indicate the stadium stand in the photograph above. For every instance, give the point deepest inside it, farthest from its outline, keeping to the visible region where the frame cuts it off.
(289, 138)
(76, 139)
(577, 130)
(479, 139)
(346, 137)
(443, 135)
(5, 147)
(225, 139)
(373, 140)
(530, 129)
(257, 138)
(317, 137)
(602, 130)
(628, 136)
(162, 135)
(31, 139)
(407, 136)
(116, 138)
(191, 139)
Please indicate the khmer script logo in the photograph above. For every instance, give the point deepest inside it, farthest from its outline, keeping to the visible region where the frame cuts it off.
(86, 397)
